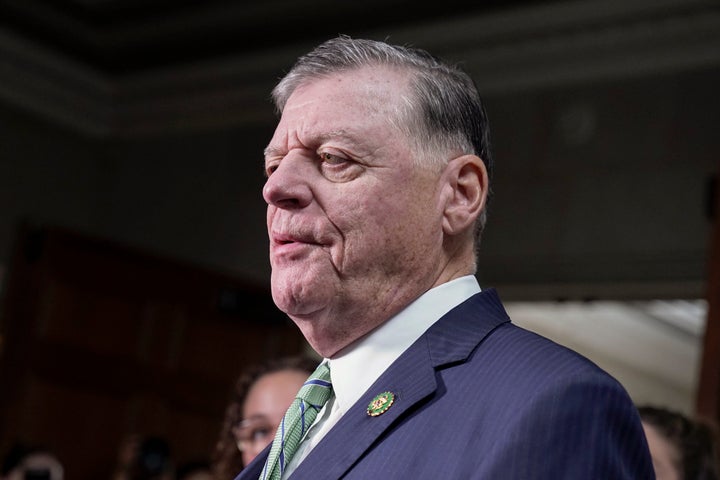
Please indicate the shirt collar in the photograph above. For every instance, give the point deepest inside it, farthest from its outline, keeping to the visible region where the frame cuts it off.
(362, 363)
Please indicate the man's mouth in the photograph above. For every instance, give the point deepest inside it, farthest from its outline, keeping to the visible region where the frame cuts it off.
(281, 239)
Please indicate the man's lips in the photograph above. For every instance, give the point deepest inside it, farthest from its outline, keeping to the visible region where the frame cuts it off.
(281, 239)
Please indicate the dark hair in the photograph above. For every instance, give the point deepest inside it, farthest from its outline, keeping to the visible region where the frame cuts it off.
(153, 459)
(695, 441)
(442, 111)
(227, 460)
(188, 468)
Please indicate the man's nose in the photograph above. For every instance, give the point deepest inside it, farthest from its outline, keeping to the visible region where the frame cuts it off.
(288, 186)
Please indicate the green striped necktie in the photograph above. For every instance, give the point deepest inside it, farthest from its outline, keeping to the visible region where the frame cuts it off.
(311, 398)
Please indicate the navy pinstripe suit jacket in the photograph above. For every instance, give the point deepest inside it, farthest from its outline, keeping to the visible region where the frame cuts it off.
(480, 398)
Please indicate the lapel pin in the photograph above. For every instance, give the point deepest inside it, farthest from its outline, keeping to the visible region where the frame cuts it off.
(380, 404)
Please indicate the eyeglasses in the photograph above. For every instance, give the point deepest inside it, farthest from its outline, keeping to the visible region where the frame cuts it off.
(254, 431)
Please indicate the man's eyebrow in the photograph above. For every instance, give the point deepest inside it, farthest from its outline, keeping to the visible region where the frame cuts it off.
(271, 151)
(340, 134)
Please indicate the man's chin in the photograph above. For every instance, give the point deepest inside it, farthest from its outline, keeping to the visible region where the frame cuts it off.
(320, 336)
(299, 290)
(298, 303)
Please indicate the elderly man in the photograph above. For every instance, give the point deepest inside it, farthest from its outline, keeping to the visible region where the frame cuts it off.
(377, 182)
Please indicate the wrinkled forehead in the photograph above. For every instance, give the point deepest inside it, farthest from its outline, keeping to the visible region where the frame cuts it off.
(385, 85)
(347, 101)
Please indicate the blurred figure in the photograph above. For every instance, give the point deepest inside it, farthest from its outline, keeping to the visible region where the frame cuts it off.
(681, 448)
(31, 463)
(261, 396)
(196, 470)
(144, 458)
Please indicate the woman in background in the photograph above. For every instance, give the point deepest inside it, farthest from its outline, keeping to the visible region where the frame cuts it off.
(681, 448)
(261, 396)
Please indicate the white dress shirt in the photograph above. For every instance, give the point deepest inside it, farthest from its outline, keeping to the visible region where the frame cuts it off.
(362, 363)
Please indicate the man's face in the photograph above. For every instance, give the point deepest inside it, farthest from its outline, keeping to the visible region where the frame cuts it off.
(355, 228)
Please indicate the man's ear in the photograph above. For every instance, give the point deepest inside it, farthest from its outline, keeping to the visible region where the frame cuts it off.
(468, 184)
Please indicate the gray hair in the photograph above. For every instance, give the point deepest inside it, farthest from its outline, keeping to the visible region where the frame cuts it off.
(441, 114)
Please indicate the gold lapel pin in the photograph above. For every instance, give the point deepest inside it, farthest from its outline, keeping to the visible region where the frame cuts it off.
(380, 404)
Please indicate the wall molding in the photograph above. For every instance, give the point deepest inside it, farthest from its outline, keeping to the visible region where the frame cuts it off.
(528, 48)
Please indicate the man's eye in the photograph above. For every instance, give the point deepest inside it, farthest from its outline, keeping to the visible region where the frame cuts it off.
(270, 169)
(332, 159)
(338, 167)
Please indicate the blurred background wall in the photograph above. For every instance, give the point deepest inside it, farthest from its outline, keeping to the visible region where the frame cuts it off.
(145, 122)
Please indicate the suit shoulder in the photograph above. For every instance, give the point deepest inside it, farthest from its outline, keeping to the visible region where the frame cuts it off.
(527, 354)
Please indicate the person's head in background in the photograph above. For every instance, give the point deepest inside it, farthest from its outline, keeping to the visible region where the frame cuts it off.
(681, 448)
(31, 463)
(261, 396)
(194, 470)
(153, 460)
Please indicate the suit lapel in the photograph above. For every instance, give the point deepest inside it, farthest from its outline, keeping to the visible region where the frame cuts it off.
(253, 469)
(411, 378)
